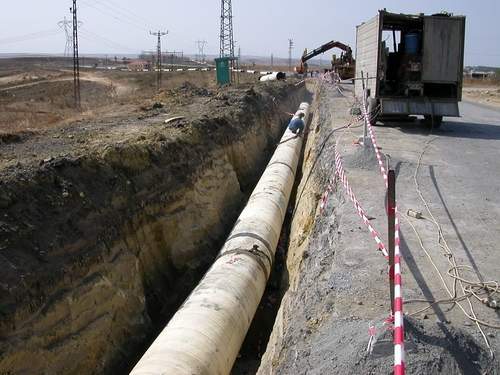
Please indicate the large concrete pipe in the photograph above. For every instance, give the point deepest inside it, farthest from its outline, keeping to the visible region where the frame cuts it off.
(273, 76)
(206, 333)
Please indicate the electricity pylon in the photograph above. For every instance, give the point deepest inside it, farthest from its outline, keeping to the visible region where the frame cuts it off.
(226, 30)
(159, 34)
(201, 50)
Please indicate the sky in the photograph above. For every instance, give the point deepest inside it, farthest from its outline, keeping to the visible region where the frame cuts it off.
(261, 28)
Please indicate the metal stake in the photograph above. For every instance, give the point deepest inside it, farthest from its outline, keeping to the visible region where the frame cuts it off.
(391, 216)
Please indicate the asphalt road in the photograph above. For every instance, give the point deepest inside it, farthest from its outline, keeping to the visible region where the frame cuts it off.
(459, 177)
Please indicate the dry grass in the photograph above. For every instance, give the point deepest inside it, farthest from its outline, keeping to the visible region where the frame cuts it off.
(38, 99)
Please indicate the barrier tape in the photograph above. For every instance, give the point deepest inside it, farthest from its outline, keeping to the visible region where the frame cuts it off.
(324, 197)
(340, 172)
(399, 364)
(343, 177)
(329, 187)
(374, 143)
(398, 318)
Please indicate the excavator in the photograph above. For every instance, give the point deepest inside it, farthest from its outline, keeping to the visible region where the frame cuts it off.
(343, 66)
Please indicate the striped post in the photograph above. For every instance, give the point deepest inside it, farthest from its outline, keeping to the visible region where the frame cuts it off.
(399, 363)
(391, 222)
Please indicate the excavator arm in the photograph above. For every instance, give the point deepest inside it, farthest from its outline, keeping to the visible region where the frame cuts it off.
(325, 47)
(347, 58)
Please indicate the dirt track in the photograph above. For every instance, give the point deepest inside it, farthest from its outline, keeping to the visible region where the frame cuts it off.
(42, 98)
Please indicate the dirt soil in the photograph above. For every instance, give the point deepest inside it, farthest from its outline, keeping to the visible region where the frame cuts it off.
(338, 284)
(108, 222)
(37, 95)
(485, 93)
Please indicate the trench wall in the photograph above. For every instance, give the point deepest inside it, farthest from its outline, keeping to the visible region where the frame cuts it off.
(101, 249)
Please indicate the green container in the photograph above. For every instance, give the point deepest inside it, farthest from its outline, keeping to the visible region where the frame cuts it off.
(222, 68)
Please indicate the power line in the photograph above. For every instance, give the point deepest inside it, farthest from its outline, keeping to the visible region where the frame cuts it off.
(92, 36)
(30, 36)
(112, 14)
(126, 12)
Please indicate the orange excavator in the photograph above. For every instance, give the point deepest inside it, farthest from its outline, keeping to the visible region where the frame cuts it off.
(343, 66)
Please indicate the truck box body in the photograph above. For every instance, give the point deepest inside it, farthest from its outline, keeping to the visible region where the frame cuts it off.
(414, 64)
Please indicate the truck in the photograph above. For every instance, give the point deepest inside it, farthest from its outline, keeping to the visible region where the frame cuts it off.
(411, 65)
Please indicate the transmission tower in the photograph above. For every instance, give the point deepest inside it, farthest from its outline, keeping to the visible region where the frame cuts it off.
(226, 30)
(67, 27)
(76, 59)
(201, 50)
(159, 34)
(290, 48)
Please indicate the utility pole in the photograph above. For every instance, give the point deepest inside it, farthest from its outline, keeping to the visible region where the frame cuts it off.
(272, 61)
(239, 57)
(159, 34)
(201, 50)
(226, 32)
(76, 59)
(290, 47)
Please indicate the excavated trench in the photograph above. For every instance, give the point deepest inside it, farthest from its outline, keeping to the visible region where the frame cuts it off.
(100, 249)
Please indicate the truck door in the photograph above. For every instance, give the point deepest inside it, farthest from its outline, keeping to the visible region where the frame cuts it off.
(443, 47)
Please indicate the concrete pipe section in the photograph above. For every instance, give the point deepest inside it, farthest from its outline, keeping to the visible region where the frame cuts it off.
(206, 333)
(275, 76)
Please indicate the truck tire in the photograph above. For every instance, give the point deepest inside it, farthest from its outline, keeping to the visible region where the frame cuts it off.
(433, 121)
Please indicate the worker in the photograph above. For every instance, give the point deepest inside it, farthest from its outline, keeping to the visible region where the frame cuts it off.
(296, 124)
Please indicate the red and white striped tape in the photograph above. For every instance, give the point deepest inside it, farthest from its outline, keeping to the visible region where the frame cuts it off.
(340, 172)
(398, 318)
(374, 143)
(361, 212)
(324, 197)
(399, 364)
(329, 187)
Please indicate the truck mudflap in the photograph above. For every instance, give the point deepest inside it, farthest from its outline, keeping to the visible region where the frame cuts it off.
(436, 107)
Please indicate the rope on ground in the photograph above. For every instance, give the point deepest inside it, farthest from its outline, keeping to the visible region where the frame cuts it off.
(469, 290)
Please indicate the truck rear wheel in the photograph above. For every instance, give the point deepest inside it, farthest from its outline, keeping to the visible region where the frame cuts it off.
(433, 121)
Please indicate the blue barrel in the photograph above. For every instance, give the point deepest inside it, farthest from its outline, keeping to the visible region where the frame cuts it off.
(412, 41)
